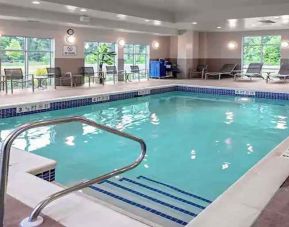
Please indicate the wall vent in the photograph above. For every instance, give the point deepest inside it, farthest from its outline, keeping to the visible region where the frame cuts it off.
(267, 21)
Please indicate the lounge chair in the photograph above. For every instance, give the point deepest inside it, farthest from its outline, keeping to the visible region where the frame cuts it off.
(198, 72)
(227, 69)
(254, 70)
(283, 73)
(91, 74)
(15, 77)
(112, 70)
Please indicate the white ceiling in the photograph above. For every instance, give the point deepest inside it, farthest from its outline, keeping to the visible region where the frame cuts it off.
(163, 17)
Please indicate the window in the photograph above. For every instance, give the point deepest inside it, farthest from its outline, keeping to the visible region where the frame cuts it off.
(39, 54)
(135, 54)
(264, 49)
(91, 60)
(30, 54)
(12, 53)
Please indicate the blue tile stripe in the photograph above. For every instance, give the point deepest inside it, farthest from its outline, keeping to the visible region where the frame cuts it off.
(163, 193)
(11, 112)
(48, 175)
(151, 210)
(176, 189)
(151, 198)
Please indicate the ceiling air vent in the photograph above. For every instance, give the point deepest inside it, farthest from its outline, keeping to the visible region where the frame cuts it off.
(33, 21)
(85, 19)
(267, 22)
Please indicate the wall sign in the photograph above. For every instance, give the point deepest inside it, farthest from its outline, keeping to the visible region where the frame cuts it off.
(101, 98)
(32, 107)
(144, 92)
(69, 50)
(244, 92)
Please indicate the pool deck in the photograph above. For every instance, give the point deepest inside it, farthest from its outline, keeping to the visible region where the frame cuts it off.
(26, 95)
(276, 212)
(273, 215)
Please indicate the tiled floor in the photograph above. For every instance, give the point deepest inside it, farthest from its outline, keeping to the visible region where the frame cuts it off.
(15, 211)
(21, 96)
(276, 212)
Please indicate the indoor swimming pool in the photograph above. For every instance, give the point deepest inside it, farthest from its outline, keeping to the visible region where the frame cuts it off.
(196, 143)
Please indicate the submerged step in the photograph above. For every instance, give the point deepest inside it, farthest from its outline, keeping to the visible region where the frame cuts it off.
(176, 189)
(152, 198)
(152, 211)
(163, 193)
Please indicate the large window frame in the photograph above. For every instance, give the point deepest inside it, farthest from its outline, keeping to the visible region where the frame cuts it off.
(113, 46)
(262, 44)
(27, 52)
(136, 51)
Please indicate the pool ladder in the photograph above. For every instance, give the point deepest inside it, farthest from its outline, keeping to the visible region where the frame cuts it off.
(35, 219)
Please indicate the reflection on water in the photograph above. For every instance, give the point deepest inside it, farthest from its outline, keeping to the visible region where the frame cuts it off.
(229, 118)
(120, 118)
(206, 139)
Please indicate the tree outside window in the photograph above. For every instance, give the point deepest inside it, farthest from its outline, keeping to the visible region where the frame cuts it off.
(262, 49)
(136, 54)
(30, 54)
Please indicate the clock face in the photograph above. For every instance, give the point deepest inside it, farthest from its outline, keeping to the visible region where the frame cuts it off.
(70, 31)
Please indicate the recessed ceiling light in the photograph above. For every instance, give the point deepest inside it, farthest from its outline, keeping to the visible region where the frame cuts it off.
(71, 8)
(157, 22)
(285, 19)
(83, 10)
(232, 23)
(36, 2)
(195, 22)
(219, 27)
(121, 16)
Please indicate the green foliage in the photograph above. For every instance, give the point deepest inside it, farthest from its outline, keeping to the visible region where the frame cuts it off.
(99, 53)
(103, 55)
(135, 54)
(266, 49)
(14, 45)
(40, 71)
(12, 51)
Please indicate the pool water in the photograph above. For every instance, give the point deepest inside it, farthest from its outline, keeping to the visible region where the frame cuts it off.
(200, 143)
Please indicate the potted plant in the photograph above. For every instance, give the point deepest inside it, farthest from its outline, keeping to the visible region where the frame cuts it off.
(103, 55)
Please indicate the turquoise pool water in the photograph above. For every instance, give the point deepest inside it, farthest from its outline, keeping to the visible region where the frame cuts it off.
(199, 143)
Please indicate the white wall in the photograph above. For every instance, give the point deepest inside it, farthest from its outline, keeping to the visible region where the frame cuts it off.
(35, 29)
(214, 44)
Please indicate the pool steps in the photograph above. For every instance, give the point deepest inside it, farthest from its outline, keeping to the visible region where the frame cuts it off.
(143, 197)
(175, 189)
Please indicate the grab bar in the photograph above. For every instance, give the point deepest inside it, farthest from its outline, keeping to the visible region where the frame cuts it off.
(5, 152)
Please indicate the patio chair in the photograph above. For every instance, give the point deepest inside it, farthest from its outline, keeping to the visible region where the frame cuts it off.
(134, 70)
(112, 70)
(60, 79)
(198, 72)
(254, 70)
(15, 77)
(227, 69)
(92, 75)
(283, 73)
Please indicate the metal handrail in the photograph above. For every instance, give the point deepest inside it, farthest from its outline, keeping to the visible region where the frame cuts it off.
(7, 144)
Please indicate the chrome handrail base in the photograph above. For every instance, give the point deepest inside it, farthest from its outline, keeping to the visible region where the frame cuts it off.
(27, 223)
